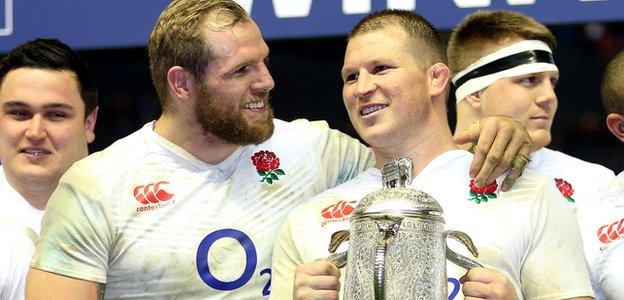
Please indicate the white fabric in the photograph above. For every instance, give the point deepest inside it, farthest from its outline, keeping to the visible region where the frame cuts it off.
(19, 225)
(164, 249)
(528, 233)
(479, 83)
(15, 207)
(589, 182)
(602, 227)
(18, 246)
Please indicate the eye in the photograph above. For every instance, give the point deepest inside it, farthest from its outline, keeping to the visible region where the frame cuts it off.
(554, 81)
(350, 77)
(242, 70)
(380, 68)
(19, 114)
(529, 80)
(57, 115)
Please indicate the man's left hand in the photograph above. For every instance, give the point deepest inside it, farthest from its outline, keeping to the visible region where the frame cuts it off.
(500, 143)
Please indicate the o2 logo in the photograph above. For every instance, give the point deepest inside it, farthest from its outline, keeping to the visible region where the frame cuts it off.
(251, 259)
(452, 293)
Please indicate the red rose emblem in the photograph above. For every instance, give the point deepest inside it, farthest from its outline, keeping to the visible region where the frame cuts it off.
(491, 188)
(265, 161)
(482, 194)
(565, 188)
(267, 165)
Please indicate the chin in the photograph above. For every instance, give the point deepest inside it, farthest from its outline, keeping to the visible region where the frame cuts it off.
(540, 140)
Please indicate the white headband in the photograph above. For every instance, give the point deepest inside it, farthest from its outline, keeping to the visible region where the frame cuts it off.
(520, 67)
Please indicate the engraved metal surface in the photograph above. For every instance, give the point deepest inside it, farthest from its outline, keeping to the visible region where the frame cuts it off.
(410, 259)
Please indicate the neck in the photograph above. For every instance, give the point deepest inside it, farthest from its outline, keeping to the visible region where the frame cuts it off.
(421, 149)
(36, 191)
(190, 136)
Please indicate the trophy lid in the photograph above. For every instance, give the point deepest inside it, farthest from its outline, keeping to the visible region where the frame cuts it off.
(396, 199)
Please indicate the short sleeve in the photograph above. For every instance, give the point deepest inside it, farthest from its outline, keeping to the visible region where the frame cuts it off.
(341, 156)
(285, 259)
(75, 238)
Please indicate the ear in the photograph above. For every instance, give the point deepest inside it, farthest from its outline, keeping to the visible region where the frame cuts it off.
(615, 123)
(181, 83)
(474, 99)
(438, 75)
(90, 125)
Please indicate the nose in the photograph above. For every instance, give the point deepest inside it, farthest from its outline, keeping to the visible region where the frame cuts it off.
(547, 96)
(265, 81)
(364, 84)
(36, 129)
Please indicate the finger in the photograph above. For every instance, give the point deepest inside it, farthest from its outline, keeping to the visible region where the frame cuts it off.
(469, 135)
(476, 289)
(481, 149)
(484, 275)
(516, 167)
(491, 168)
(318, 268)
(463, 137)
(317, 294)
(322, 282)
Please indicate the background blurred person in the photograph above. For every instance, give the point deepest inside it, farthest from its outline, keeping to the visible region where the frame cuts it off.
(48, 109)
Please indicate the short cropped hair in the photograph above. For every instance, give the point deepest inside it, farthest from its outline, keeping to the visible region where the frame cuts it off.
(52, 54)
(612, 88)
(179, 37)
(483, 32)
(425, 39)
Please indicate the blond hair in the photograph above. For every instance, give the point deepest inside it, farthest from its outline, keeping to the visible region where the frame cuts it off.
(179, 37)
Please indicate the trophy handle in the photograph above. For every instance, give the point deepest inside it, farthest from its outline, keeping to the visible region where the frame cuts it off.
(386, 236)
(458, 259)
(337, 259)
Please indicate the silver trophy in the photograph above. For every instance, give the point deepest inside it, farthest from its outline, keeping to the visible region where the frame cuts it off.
(397, 242)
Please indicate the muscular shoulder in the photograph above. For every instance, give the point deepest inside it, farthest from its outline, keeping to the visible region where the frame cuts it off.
(121, 154)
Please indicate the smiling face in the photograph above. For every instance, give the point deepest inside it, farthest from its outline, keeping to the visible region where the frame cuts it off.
(43, 130)
(385, 90)
(232, 97)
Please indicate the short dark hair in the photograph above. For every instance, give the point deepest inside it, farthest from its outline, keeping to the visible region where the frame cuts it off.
(52, 54)
(484, 31)
(612, 88)
(424, 38)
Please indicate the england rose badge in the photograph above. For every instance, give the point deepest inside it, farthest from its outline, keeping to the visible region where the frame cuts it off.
(267, 165)
(565, 188)
(482, 194)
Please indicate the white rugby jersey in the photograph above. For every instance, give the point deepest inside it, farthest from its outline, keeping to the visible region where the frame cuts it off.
(16, 208)
(528, 233)
(577, 180)
(602, 227)
(582, 184)
(19, 225)
(149, 219)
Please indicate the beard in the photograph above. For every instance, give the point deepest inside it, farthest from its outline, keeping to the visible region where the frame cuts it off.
(228, 124)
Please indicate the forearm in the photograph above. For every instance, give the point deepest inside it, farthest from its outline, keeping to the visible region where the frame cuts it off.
(45, 285)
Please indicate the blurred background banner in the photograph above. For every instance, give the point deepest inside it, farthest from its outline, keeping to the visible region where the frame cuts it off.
(92, 24)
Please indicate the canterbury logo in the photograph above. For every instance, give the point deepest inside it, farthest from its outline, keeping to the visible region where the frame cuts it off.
(611, 232)
(152, 193)
(338, 210)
